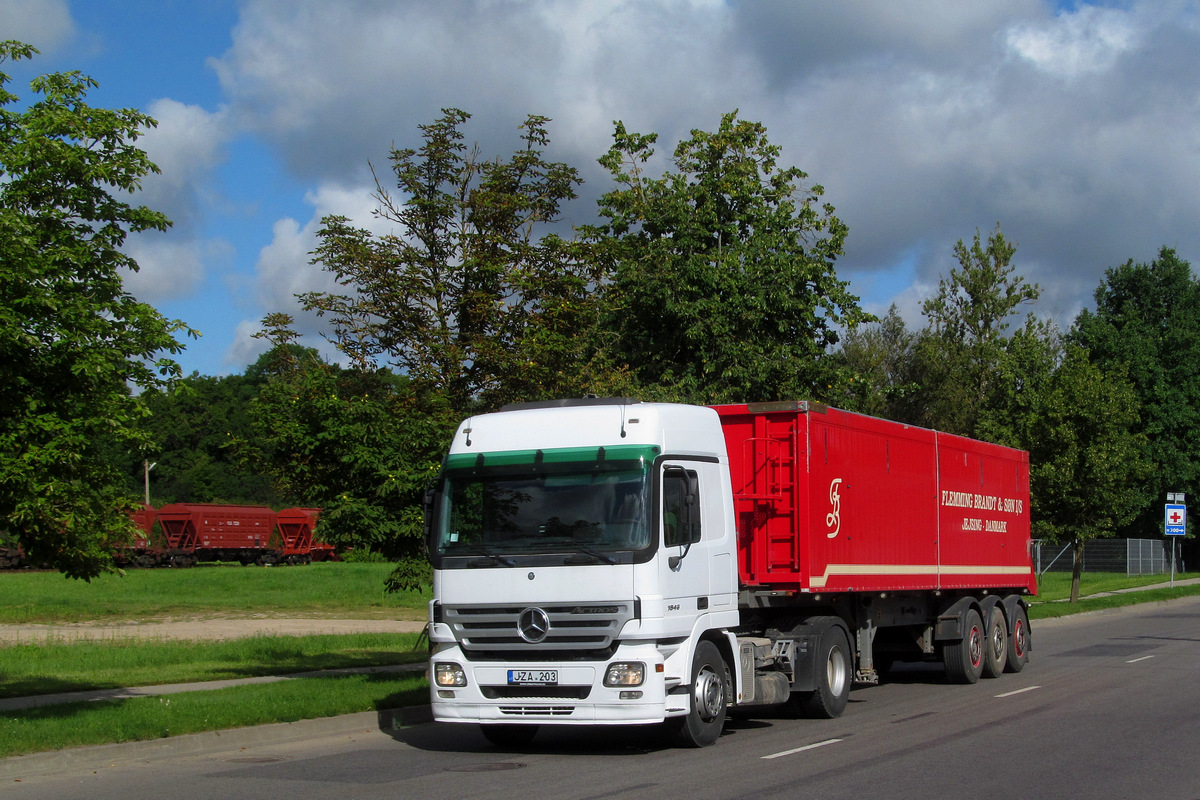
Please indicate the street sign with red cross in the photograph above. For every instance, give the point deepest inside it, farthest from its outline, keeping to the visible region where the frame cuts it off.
(1176, 520)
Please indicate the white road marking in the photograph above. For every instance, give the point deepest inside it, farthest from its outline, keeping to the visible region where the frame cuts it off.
(1143, 658)
(802, 749)
(1019, 691)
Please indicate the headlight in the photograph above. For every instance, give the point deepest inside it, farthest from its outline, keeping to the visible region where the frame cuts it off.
(625, 673)
(449, 674)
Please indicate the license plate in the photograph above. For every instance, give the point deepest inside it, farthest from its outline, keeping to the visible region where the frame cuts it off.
(533, 677)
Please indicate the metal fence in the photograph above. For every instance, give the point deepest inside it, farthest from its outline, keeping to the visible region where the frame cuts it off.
(1130, 556)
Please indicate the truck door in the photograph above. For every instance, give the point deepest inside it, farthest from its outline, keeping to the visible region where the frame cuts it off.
(687, 527)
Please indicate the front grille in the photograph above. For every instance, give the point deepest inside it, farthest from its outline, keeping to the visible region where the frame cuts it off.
(579, 626)
(537, 711)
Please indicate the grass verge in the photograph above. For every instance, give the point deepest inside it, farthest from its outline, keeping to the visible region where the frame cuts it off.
(319, 590)
(32, 669)
(139, 719)
(1048, 610)
(73, 666)
(1054, 586)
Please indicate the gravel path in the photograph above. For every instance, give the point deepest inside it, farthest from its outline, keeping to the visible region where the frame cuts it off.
(197, 629)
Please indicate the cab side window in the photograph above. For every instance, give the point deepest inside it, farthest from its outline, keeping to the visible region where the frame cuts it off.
(681, 506)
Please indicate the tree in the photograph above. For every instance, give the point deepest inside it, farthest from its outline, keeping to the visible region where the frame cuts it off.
(1146, 325)
(363, 445)
(1078, 422)
(959, 353)
(1087, 464)
(720, 281)
(193, 426)
(72, 340)
(878, 356)
(475, 294)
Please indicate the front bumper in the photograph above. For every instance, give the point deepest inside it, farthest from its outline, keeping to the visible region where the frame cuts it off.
(580, 697)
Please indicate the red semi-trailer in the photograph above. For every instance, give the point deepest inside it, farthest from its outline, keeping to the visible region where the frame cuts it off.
(605, 561)
(831, 501)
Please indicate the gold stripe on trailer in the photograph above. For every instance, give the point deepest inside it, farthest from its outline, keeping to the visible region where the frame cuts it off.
(912, 569)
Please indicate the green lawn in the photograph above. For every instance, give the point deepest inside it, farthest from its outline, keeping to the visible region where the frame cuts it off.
(76, 724)
(1054, 588)
(32, 669)
(1057, 585)
(332, 590)
(328, 590)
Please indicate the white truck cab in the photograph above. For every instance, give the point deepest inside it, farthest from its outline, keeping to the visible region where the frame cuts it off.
(582, 553)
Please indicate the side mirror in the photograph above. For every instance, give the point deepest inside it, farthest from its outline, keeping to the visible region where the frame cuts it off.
(681, 511)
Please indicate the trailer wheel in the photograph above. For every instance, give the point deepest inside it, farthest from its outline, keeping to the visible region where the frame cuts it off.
(995, 650)
(702, 725)
(834, 672)
(1018, 641)
(964, 659)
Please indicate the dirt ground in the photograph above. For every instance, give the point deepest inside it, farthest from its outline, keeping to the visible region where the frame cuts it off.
(197, 629)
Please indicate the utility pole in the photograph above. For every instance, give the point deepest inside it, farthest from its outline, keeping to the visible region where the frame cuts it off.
(148, 466)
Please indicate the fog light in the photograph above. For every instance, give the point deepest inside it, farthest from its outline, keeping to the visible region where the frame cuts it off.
(449, 674)
(446, 694)
(625, 673)
(631, 695)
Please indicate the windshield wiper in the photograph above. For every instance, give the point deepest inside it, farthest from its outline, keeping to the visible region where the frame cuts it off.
(493, 559)
(584, 551)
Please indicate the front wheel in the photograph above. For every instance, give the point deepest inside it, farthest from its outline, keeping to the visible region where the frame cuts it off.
(702, 725)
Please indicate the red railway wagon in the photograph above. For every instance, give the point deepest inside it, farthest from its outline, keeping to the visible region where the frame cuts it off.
(143, 520)
(840, 502)
(209, 532)
(296, 526)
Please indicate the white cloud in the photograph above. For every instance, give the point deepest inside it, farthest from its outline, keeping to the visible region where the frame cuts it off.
(170, 267)
(283, 270)
(187, 145)
(1084, 42)
(45, 24)
(1076, 131)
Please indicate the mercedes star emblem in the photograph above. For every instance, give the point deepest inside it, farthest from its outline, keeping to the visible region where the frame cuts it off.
(533, 625)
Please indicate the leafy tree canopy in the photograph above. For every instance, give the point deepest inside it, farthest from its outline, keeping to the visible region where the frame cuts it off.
(363, 445)
(474, 293)
(72, 340)
(957, 356)
(720, 281)
(1146, 324)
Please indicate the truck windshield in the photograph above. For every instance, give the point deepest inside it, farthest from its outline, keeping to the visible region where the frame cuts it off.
(574, 509)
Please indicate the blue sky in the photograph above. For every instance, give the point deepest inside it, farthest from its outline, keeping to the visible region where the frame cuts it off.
(1075, 127)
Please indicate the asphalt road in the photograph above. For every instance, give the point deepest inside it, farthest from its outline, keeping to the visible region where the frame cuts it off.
(1109, 707)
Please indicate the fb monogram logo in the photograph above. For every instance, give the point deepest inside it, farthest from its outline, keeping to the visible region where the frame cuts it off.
(833, 519)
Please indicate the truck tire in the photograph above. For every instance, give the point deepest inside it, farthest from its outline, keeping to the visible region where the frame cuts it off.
(834, 676)
(1018, 641)
(995, 647)
(964, 659)
(710, 687)
(508, 735)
